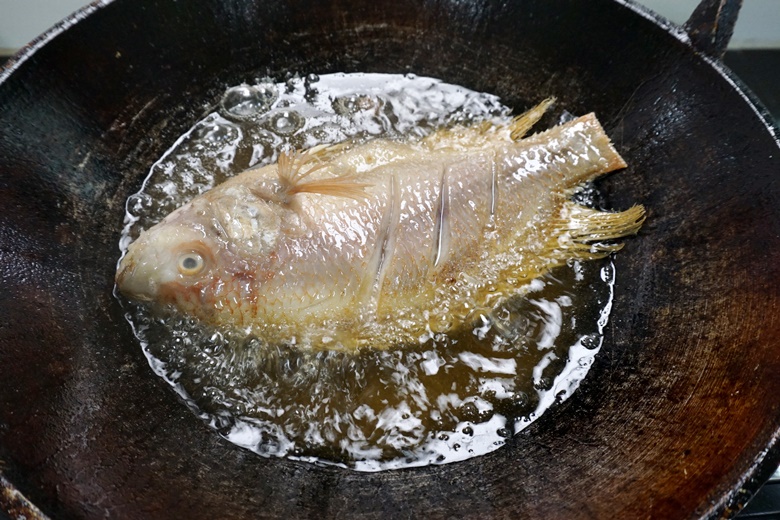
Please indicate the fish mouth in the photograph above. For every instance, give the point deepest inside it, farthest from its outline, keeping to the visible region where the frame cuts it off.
(132, 285)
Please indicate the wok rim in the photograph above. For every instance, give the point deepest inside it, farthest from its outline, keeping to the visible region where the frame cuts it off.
(763, 464)
(27, 51)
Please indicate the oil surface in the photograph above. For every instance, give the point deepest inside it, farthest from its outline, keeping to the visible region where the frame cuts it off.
(447, 397)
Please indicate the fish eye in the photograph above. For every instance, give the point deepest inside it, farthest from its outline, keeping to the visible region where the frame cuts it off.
(191, 263)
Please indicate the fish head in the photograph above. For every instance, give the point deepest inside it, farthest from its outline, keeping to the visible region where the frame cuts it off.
(165, 257)
(201, 252)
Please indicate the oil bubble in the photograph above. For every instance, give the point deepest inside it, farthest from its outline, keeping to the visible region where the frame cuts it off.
(326, 133)
(543, 383)
(520, 399)
(215, 132)
(608, 273)
(476, 410)
(285, 123)
(351, 105)
(292, 84)
(311, 91)
(244, 101)
(138, 201)
(590, 341)
(585, 362)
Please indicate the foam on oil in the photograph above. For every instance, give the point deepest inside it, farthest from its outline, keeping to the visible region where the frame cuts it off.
(447, 398)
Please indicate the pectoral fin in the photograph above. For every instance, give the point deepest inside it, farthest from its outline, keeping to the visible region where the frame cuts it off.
(336, 187)
(294, 168)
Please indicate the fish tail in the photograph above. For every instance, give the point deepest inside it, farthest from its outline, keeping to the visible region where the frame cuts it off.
(586, 234)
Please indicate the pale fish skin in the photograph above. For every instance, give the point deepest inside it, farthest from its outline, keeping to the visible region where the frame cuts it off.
(386, 242)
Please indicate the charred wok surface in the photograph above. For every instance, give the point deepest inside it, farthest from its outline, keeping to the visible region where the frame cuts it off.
(675, 419)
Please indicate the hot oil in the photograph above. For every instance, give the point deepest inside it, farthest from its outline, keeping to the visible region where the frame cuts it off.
(446, 397)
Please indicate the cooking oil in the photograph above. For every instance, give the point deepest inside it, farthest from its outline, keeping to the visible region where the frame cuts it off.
(441, 399)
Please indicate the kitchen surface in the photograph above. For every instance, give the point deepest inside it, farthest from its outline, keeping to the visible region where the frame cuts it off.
(753, 56)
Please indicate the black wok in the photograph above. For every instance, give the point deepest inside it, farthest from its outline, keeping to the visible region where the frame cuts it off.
(679, 417)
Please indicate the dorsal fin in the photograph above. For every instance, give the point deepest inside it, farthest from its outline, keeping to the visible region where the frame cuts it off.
(486, 132)
(521, 124)
(292, 172)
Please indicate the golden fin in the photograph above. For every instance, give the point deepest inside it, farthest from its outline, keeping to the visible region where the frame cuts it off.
(326, 152)
(521, 124)
(486, 132)
(579, 233)
(338, 187)
(290, 165)
(585, 234)
(292, 171)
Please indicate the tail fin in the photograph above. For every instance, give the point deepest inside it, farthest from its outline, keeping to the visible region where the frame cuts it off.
(585, 234)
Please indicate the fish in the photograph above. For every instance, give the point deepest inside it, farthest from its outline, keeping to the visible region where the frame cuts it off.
(383, 242)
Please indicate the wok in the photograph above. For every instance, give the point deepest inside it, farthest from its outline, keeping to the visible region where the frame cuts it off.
(679, 416)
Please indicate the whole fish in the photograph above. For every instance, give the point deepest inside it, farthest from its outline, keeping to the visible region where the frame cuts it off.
(381, 243)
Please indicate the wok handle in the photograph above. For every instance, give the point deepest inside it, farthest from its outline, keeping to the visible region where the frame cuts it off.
(711, 25)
